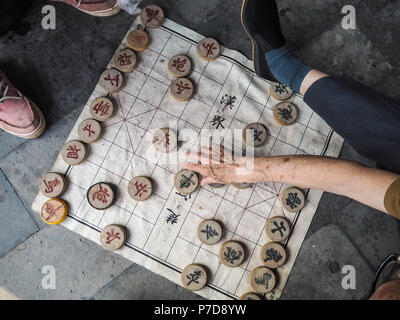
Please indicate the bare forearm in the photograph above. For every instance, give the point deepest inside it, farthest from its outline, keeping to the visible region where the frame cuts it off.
(351, 179)
(364, 184)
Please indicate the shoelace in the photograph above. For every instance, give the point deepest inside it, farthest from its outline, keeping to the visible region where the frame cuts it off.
(78, 3)
(4, 90)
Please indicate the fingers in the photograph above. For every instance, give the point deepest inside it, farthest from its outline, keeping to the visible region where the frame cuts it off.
(208, 156)
(208, 172)
(215, 150)
(203, 157)
(203, 170)
(214, 174)
(206, 150)
(193, 157)
(208, 180)
(215, 154)
(190, 166)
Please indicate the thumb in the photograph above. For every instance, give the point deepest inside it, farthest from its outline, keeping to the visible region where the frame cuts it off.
(208, 180)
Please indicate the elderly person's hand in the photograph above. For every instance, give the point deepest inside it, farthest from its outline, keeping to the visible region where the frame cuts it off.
(366, 185)
(219, 165)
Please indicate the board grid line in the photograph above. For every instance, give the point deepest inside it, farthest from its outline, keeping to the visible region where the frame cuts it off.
(69, 169)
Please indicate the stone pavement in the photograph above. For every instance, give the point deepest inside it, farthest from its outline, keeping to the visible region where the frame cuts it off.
(59, 68)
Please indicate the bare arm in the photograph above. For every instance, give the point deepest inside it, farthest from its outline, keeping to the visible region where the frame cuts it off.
(351, 179)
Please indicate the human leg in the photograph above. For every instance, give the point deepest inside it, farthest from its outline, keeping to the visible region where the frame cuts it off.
(369, 122)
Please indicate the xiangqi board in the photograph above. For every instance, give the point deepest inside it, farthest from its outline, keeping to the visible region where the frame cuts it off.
(162, 230)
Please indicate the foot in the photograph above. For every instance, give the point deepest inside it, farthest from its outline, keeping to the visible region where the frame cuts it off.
(260, 19)
(99, 8)
(18, 115)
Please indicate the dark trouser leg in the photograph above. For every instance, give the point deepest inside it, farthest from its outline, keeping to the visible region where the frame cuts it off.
(369, 122)
(11, 12)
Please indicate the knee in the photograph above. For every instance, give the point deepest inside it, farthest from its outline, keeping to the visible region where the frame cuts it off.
(387, 291)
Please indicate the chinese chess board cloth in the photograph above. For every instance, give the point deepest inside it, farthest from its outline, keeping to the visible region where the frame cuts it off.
(125, 151)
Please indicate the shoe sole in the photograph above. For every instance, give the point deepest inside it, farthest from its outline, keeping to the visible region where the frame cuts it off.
(255, 50)
(109, 13)
(254, 47)
(253, 43)
(38, 131)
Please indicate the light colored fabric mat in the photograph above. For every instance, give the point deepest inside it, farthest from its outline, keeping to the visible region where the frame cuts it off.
(125, 151)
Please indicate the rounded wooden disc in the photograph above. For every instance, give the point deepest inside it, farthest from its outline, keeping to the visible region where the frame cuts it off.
(89, 131)
(53, 211)
(258, 134)
(273, 255)
(124, 60)
(52, 185)
(285, 113)
(194, 277)
(179, 66)
(186, 181)
(138, 40)
(262, 280)
(277, 229)
(100, 196)
(280, 91)
(152, 16)
(140, 188)
(111, 80)
(181, 89)
(208, 49)
(73, 152)
(102, 109)
(209, 232)
(250, 296)
(242, 185)
(165, 140)
(231, 253)
(292, 199)
(112, 237)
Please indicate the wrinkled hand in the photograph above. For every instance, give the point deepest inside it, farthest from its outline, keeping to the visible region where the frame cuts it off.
(218, 165)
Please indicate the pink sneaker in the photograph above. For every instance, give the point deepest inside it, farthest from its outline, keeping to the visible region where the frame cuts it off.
(99, 8)
(18, 115)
